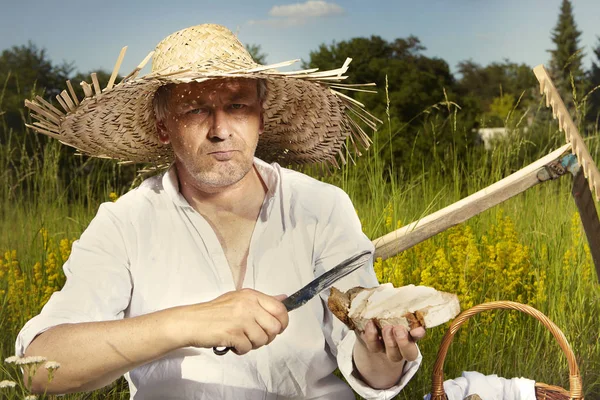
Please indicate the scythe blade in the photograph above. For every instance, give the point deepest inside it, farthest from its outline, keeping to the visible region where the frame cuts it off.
(586, 179)
(589, 216)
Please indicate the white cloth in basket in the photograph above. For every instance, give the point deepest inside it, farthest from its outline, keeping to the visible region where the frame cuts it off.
(488, 387)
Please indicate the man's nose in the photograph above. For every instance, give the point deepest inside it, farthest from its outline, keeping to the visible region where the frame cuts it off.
(220, 127)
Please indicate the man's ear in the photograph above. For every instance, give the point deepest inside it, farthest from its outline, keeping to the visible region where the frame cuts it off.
(163, 134)
(261, 127)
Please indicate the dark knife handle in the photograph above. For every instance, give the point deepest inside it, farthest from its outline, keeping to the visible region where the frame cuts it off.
(221, 351)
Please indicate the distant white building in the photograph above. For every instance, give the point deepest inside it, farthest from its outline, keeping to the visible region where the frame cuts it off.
(490, 135)
(487, 135)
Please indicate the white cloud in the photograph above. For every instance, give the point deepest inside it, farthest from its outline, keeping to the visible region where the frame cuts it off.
(289, 15)
(309, 9)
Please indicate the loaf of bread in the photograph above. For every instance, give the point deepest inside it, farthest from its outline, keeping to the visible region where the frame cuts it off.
(410, 305)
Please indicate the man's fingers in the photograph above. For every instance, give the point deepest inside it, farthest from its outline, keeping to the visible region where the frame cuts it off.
(281, 297)
(392, 348)
(371, 338)
(418, 333)
(275, 307)
(269, 324)
(406, 345)
(242, 346)
(256, 335)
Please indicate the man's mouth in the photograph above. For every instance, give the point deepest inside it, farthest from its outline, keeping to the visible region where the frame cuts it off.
(222, 155)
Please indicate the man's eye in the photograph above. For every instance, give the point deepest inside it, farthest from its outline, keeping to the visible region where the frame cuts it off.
(237, 106)
(197, 111)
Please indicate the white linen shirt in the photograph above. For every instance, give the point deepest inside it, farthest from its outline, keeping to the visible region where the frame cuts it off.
(150, 250)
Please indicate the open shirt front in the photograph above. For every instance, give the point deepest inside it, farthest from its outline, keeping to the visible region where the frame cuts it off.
(151, 250)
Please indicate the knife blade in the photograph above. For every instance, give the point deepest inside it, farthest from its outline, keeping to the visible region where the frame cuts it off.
(324, 281)
(315, 287)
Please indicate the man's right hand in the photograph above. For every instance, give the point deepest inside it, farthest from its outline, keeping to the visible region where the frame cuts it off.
(244, 319)
(94, 354)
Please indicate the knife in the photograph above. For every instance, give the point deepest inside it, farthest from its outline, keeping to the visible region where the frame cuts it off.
(319, 284)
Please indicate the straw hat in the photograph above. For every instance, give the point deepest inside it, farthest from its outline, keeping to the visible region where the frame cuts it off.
(305, 116)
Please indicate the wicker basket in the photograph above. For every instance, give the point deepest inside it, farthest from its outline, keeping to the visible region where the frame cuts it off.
(542, 391)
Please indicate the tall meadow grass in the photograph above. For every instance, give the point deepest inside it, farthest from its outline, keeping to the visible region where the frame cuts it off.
(529, 249)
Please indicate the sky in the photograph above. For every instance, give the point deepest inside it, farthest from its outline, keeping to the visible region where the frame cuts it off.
(91, 33)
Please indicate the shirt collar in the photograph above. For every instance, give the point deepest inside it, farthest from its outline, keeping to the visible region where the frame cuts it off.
(171, 186)
(267, 172)
(269, 175)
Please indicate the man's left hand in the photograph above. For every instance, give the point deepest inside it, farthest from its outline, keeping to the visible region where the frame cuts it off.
(379, 356)
(395, 341)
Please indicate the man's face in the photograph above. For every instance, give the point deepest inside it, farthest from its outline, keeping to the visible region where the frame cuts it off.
(213, 128)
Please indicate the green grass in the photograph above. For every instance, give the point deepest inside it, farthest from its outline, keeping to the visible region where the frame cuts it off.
(34, 194)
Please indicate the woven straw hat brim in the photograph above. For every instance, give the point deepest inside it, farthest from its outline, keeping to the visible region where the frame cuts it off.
(306, 117)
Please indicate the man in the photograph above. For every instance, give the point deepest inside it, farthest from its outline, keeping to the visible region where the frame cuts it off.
(203, 255)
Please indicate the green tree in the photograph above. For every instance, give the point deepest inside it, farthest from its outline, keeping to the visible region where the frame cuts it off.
(566, 60)
(500, 108)
(415, 82)
(257, 55)
(417, 87)
(594, 99)
(26, 71)
(486, 89)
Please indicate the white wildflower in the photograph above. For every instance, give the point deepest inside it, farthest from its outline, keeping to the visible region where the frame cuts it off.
(31, 397)
(31, 360)
(52, 365)
(7, 384)
(12, 359)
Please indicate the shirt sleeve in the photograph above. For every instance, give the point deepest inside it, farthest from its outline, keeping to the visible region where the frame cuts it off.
(98, 283)
(340, 236)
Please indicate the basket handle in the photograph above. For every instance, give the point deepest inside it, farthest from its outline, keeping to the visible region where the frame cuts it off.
(437, 389)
